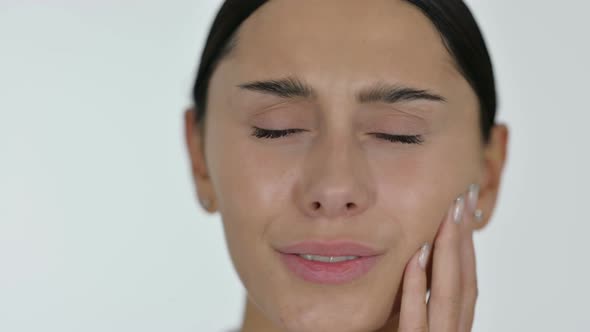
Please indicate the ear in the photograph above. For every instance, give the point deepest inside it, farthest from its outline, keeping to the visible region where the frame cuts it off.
(194, 138)
(494, 159)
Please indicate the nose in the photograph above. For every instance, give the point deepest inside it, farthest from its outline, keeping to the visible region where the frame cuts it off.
(336, 181)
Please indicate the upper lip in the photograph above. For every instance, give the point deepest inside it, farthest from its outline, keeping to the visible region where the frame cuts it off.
(330, 248)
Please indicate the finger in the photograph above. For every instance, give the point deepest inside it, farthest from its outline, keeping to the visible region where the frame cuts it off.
(445, 304)
(413, 313)
(470, 290)
(468, 268)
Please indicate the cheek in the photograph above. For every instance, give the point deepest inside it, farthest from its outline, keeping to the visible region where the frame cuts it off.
(244, 179)
(252, 192)
(250, 184)
(417, 189)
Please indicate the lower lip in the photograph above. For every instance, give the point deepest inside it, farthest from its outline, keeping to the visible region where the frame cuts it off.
(329, 273)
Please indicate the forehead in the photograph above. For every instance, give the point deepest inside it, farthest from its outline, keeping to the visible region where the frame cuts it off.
(343, 41)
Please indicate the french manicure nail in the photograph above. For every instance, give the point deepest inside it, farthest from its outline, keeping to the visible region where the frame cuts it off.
(424, 255)
(458, 209)
(473, 197)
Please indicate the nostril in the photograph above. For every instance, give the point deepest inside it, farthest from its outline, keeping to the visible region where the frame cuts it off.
(350, 206)
(316, 205)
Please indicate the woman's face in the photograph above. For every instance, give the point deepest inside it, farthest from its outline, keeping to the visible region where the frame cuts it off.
(343, 71)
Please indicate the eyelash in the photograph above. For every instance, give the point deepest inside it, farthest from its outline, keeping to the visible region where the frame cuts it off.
(274, 134)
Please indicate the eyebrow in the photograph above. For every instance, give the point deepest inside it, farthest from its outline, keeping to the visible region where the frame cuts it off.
(391, 94)
(284, 88)
(291, 88)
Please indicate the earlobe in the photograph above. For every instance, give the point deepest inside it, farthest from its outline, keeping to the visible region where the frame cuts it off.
(494, 156)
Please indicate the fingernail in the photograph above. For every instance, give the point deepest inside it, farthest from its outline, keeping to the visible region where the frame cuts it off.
(478, 215)
(473, 197)
(424, 255)
(459, 209)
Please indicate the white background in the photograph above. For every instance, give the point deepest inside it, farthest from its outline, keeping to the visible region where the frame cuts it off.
(99, 229)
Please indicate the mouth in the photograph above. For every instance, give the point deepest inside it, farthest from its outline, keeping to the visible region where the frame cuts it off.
(329, 262)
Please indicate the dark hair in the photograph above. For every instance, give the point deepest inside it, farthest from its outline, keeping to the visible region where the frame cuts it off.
(453, 19)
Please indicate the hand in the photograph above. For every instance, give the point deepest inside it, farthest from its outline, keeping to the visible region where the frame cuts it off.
(451, 305)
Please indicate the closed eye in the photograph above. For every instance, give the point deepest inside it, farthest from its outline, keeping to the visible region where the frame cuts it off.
(405, 139)
(274, 134)
(268, 133)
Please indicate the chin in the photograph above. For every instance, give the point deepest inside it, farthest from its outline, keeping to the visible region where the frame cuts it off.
(293, 304)
(332, 317)
(333, 324)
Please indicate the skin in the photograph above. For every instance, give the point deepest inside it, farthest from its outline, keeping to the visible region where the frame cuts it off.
(336, 180)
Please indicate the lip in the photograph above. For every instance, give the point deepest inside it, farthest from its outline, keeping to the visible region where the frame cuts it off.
(329, 273)
(331, 248)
